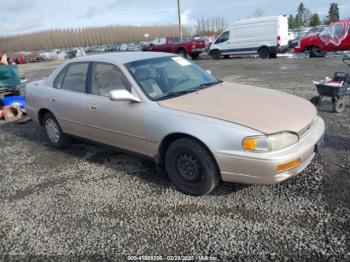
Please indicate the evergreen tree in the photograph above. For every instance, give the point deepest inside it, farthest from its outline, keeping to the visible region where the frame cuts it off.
(333, 13)
(300, 17)
(291, 22)
(315, 20)
(298, 21)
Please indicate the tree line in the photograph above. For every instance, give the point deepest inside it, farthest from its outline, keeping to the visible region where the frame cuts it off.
(81, 37)
(305, 17)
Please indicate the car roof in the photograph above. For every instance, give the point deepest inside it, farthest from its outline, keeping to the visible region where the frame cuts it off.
(122, 57)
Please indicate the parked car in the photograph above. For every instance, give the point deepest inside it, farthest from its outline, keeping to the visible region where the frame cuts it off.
(198, 129)
(296, 34)
(332, 39)
(266, 36)
(192, 48)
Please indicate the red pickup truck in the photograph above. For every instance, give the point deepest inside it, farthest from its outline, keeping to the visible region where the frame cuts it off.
(334, 38)
(174, 45)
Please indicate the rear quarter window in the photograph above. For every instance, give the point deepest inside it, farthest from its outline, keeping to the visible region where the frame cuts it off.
(57, 83)
(75, 77)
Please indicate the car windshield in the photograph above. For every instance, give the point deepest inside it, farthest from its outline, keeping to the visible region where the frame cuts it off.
(167, 77)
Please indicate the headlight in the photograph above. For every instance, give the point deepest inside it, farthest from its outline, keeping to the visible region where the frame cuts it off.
(270, 142)
(282, 140)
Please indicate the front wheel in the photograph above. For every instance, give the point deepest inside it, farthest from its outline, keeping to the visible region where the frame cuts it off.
(195, 56)
(191, 167)
(216, 54)
(54, 132)
(316, 52)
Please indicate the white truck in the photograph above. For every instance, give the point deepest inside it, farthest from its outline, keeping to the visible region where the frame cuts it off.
(265, 36)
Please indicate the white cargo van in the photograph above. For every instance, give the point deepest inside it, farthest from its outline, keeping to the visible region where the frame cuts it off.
(265, 36)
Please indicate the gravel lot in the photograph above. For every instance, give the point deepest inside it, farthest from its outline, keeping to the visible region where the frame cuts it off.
(90, 201)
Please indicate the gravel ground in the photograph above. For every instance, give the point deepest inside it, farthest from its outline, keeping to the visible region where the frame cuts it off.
(88, 201)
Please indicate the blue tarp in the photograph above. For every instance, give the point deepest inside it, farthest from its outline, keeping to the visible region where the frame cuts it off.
(9, 76)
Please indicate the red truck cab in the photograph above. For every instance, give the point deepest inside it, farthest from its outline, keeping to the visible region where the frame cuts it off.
(191, 48)
(334, 38)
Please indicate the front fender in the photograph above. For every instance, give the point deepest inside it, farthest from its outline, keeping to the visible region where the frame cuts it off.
(215, 134)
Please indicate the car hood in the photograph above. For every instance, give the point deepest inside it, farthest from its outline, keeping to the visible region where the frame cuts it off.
(310, 37)
(266, 110)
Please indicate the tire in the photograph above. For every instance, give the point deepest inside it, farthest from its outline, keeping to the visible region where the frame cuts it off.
(316, 52)
(182, 53)
(216, 54)
(339, 105)
(273, 56)
(54, 132)
(191, 167)
(264, 52)
(316, 100)
(194, 56)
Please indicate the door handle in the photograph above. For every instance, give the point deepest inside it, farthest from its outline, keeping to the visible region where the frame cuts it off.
(52, 99)
(91, 107)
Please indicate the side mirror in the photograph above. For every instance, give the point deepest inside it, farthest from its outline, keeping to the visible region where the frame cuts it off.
(123, 95)
(209, 72)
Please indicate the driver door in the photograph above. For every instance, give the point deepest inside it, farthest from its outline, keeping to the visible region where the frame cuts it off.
(117, 123)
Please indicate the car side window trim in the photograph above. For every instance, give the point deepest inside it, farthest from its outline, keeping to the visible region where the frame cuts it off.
(93, 67)
(86, 79)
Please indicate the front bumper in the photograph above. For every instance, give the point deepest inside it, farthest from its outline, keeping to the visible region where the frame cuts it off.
(260, 168)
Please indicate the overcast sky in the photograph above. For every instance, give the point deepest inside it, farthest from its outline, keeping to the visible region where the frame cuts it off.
(19, 16)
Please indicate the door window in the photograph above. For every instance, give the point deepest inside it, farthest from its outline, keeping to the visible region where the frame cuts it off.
(75, 79)
(162, 41)
(223, 38)
(106, 78)
(339, 30)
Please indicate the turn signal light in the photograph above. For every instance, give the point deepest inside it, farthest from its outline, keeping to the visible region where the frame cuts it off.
(249, 143)
(289, 165)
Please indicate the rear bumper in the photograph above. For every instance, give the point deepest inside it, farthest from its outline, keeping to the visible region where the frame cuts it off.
(31, 112)
(260, 168)
(197, 50)
(282, 49)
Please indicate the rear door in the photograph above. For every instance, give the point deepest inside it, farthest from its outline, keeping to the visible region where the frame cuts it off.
(67, 99)
(117, 123)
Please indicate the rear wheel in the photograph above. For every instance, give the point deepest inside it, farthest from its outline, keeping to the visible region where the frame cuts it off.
(191, 167)
(54, 132)
(339, 105)
(216, 54)
(316, 52)
(264, 52)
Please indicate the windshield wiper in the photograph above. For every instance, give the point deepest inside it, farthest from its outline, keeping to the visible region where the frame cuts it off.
(177, 93)
(205, 85)
(191, 90)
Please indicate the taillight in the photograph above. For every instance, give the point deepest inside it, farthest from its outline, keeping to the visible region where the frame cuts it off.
(278, 41)
(194, 45)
